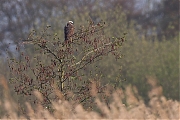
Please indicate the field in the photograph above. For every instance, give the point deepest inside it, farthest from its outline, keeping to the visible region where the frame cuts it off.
(134, 108)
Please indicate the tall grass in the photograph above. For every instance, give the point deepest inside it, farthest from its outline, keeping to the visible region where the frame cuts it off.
(126, 104)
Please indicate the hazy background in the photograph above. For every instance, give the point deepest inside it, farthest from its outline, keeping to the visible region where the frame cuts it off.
(151, 48)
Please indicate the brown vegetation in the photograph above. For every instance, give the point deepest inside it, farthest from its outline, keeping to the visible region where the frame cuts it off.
(132, 108)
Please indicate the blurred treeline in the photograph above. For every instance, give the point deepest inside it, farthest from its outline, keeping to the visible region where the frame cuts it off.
(151, 48)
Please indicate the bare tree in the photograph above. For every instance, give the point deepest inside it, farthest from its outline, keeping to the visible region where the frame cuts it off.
(58, 65)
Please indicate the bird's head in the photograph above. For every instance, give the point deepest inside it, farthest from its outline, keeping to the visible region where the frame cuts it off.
(71, 22)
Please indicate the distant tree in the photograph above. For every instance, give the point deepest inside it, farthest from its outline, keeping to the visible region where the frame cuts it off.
(161, 15)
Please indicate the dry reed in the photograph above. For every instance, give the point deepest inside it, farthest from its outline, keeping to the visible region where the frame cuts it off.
(158, 108)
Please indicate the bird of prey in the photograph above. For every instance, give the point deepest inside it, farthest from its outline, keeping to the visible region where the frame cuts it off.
(69, 31)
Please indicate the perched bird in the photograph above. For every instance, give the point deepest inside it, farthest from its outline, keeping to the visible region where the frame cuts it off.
(69, 31)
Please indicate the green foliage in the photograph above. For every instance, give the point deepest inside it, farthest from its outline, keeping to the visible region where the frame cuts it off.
(159, 59)
(144, 58)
